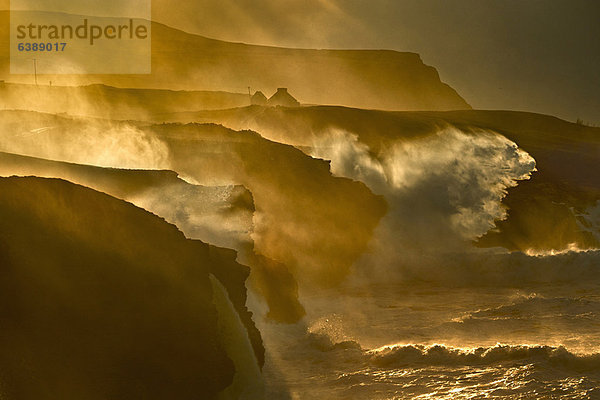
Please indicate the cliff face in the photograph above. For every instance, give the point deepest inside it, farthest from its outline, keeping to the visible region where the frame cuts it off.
(220, 215)
(300, 205)
(100, 299)
(359, 78)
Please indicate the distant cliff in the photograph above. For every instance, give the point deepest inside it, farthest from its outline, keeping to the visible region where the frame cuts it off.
(380, 79)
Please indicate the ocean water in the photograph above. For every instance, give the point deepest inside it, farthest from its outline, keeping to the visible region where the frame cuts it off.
(399, 341)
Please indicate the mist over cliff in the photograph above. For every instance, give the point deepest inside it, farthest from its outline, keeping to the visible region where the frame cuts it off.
(362, 234)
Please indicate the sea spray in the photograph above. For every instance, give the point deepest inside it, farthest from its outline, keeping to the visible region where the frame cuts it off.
(99, 143)
(457, 178)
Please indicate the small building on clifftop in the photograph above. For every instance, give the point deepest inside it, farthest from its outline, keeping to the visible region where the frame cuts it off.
(283, 98)
(259, 99)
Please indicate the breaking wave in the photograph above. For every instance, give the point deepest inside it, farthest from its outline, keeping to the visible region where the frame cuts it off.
(413, 354)
(443, 188)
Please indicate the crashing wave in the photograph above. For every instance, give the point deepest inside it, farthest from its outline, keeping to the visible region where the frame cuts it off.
(414, 354)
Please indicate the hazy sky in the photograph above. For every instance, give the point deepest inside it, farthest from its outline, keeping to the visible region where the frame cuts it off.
(537, 55)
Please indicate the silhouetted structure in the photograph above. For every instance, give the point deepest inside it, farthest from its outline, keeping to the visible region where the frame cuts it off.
(259, 99)
(283, 98)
